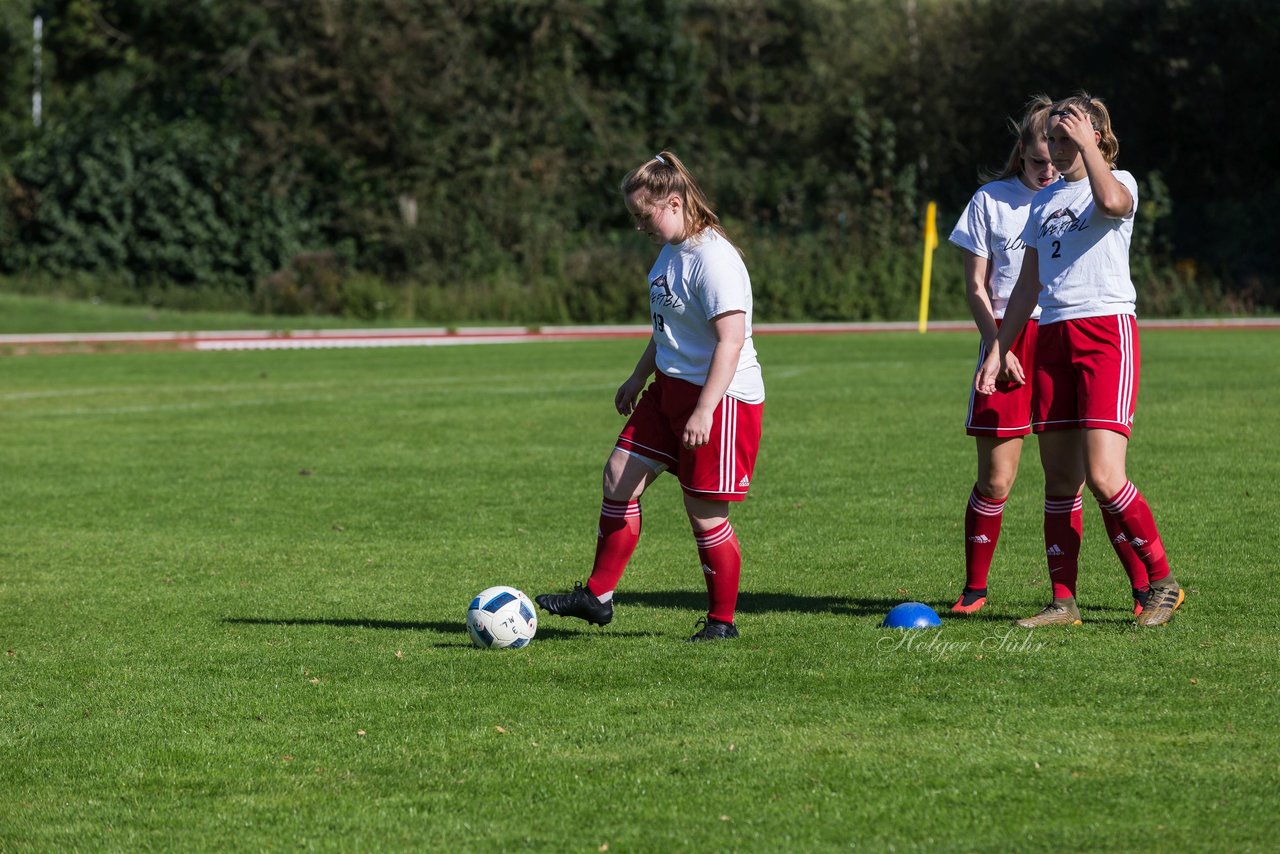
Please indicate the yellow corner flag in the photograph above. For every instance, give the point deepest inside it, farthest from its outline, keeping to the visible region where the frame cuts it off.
(930, 244)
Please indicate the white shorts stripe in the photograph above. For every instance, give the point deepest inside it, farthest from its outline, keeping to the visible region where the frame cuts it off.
(982, 357)
(728, 440)
(1124, 395)
(659, 460)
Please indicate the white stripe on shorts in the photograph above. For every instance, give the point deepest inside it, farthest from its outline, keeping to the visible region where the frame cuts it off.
(1124, 396)
(728, 441)
(982, 357)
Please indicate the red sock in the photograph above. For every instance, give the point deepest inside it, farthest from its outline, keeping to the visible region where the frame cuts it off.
(721, 567)
(616, 539)
(982, 519)
(1063, 524)
(1133, 515)
(1133, 565)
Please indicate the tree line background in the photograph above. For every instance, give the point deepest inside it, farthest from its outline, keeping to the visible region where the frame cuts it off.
(453, 160)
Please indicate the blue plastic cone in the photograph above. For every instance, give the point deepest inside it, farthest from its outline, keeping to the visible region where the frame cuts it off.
(911, 615)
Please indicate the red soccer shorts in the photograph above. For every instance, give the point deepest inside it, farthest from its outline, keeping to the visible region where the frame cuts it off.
(1087, 374)
(719, 470)
(1006, 412)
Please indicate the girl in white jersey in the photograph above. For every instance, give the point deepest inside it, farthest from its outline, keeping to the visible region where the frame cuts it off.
(1076, 266)
(990, 233)
(701, 415)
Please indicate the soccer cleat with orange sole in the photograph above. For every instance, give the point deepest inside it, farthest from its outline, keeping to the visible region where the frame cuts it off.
(970, 601)
(1161, 604)
(1054, 614)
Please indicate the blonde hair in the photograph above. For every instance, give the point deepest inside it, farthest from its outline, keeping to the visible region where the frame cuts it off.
(1099, 117)
(1028, 131)
(664, 174)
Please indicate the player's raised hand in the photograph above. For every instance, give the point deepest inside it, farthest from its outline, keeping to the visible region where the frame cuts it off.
(1079, 127)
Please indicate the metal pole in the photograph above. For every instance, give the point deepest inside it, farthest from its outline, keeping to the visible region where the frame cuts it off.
(37, 34)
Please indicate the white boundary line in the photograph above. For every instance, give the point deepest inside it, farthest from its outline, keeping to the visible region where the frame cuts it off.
(439, 336)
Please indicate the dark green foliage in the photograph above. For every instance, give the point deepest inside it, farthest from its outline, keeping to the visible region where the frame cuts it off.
(461, 161)
(144, 201)
(321, 283)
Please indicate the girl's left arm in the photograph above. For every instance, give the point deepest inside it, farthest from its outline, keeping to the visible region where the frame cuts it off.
(731, 334)
(1022, 304)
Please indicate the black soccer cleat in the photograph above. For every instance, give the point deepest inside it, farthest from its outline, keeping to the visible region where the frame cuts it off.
(713, 630)
(580, 603)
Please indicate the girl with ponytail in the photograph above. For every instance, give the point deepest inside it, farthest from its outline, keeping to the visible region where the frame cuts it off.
(700, 417)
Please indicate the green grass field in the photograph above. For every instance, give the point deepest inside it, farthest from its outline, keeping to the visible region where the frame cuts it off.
(21, 313)
(232, 589)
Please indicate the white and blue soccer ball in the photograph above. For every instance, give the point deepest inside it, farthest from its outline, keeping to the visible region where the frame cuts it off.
(501, 618)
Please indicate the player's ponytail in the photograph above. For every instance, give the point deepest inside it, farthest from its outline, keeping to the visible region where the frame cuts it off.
(1100, 117)
(1028, 131)
(664, 174)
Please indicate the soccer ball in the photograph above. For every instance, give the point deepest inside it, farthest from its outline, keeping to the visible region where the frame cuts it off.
(501, 617)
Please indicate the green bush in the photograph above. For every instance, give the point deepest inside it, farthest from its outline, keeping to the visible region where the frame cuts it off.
(144, 202)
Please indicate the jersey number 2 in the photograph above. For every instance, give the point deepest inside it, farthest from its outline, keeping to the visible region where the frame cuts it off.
(1057, 249)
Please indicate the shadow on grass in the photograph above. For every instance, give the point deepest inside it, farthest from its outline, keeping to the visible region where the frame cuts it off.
(694, 601)
(760, 602)
(767, 602)
(452, 628)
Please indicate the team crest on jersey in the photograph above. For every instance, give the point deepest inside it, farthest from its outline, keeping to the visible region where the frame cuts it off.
(1062, 221)
(660, 294)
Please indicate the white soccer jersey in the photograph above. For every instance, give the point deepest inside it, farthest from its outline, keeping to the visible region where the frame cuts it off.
(991, 227)
(1084, 255)
(689, 284)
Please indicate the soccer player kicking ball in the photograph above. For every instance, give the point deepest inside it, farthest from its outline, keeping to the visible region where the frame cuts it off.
(701, 415)
(1085, 380)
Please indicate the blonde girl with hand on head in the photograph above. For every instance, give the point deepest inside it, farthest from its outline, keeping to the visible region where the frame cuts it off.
(1085, 379)
(990, 233)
